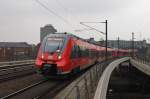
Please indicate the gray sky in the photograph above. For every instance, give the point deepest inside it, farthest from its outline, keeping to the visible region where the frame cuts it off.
(20, 20)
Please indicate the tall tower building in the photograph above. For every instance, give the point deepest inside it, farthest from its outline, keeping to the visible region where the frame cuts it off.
(47, 29)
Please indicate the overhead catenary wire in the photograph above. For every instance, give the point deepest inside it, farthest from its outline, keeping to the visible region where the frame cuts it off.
(59, 16)
(64, 8)
(67, 11)
(54, 13)
(82, 23)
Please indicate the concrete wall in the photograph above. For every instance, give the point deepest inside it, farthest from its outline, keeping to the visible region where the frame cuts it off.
(84, 87)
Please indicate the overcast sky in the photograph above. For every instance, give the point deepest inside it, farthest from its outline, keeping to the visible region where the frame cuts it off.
(20, 20)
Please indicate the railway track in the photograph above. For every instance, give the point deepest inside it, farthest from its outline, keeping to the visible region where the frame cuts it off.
(4, 65)
(8, 72)
(45, 89)
(39, 90)
(21, 90)
(16, 70)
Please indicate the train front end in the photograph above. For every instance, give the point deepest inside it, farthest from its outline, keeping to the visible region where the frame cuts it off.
(50, 59)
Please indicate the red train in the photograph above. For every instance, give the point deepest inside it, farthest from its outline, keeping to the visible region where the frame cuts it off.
(63, 53)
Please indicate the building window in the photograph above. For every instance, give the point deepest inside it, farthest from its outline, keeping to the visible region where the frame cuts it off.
(19, 53)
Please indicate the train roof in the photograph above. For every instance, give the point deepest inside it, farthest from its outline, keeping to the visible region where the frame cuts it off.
(59, 35)
(65, 34)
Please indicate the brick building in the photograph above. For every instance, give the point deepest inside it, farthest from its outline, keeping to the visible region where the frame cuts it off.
(15, 51)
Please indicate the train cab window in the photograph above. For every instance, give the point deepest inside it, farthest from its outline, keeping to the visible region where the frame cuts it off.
(53, 44)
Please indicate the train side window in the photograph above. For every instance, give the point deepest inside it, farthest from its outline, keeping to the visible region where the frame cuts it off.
(73, 52)
(76, 51)
(103, 53)
(87, 52)
(83, 52)
(90, 53)
(79, 51)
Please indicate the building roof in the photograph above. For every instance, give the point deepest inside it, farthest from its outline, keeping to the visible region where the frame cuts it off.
(14, 44)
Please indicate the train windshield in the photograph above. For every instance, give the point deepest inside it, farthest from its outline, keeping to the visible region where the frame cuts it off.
(53, 44)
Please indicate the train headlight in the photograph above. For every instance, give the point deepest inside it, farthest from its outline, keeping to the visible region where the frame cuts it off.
(42, 56)
(59, 56)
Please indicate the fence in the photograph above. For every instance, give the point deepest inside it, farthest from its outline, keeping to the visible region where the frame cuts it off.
(143, 60)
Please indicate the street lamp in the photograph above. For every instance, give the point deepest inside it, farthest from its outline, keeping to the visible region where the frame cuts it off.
(106, 52)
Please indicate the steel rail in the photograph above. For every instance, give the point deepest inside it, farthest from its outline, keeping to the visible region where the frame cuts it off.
(58, 86)
(15, 65)
(22, 90)
(13, 68)
(13, 62)
(39, 90)
(12, 73)
(16, 76)
(25, 69)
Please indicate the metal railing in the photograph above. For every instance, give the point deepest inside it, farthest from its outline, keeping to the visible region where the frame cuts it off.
(143, 60)
(141, 65)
